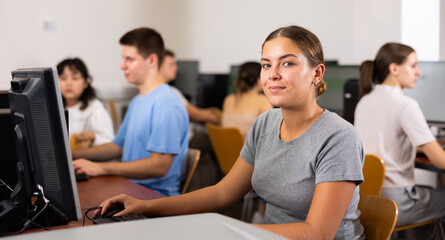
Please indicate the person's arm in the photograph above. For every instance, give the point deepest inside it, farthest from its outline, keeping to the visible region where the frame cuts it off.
(102, 152)
(227, 192)
(328, 207)
(435, 153)
(196, 114)
(155, 166)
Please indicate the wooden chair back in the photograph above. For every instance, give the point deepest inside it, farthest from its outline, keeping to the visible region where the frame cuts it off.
(227, 143)
(374, 174)
(378, 216)
(193, 156)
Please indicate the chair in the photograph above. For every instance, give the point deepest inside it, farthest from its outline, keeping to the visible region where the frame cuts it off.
(373, 174)
(227, 143)
(114, 114)
(378, 216)
(192, 162)
(82, 144)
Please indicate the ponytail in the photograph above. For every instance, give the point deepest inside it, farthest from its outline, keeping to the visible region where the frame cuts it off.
(366, 77)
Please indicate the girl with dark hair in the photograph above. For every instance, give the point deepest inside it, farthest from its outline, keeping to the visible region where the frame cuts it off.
(392, 126)
(241, 109)
(88, 118)
(303, 160)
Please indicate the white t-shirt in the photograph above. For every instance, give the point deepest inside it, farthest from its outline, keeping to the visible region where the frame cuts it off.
(94, 118)
(391, 125)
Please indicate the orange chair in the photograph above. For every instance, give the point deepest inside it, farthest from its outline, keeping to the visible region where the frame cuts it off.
(193, 156)
(373, 174)
(378, 216)
(227, 143)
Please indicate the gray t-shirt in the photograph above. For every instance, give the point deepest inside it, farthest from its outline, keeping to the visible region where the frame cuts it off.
(285, 173)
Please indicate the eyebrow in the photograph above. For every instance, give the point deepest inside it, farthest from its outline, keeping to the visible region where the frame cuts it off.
(282, 57)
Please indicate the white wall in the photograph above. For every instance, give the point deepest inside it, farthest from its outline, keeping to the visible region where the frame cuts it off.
(420, 27)
(442, 31)
(217, 33)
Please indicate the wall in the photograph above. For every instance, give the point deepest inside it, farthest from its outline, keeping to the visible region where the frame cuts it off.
(217, 33)
(442, 31)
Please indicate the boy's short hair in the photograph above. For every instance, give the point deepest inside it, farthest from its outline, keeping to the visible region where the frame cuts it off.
(146, 40)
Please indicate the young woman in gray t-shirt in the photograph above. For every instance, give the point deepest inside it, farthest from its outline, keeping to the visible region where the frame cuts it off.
(304, 161)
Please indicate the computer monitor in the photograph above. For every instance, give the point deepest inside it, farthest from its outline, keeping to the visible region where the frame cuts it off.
(212, 89)
(335, 78)
(187, 79)
(429, 91)
(46, 191)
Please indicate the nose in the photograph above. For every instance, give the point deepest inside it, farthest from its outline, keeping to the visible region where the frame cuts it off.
(274, 74)
(418, 73)
(122, 65)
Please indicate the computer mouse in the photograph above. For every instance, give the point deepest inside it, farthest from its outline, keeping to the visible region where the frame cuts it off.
(111, 211)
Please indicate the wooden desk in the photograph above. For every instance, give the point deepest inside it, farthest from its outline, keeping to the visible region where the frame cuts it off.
(423, 163)
(97, 189)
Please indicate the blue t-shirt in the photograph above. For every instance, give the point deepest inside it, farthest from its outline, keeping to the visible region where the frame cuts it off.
(157, 123)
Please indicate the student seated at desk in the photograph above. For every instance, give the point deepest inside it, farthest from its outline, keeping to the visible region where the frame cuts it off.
(241, 109)
(153, 138)
(392, 125)
(88, 118)
(304, 161)
(168, 71)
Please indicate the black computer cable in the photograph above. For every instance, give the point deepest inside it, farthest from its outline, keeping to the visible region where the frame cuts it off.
(86, 214)
(31, 221)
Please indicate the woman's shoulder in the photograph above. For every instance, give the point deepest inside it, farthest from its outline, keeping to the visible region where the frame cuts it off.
(272, 115)
(333, 122)
(95, 104)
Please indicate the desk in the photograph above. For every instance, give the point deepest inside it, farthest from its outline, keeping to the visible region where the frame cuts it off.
(196, 226)
(423, 163)
(97, 189)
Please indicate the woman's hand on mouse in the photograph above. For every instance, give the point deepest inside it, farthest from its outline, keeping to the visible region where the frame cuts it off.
(132, 205)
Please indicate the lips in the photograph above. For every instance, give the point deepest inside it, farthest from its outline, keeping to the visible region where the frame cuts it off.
(275, 89)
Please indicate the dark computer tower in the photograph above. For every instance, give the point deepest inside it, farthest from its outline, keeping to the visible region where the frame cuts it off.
(8, 157)
(350, 99)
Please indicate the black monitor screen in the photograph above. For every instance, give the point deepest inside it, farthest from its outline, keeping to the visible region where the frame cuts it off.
(212, 89)
(41, 139)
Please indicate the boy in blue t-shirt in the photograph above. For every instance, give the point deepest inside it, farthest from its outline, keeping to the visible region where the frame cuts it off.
(153, 138)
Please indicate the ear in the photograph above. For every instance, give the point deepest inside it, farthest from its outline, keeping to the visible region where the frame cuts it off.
(152, 60)
(318, 73)
(393, 69)
(85, 84)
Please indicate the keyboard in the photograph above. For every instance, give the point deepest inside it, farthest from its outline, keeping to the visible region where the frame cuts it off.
(123, 218)
(81, 177)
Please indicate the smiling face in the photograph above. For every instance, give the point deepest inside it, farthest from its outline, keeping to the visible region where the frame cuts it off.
(286, 75)
(72, 84)
(408, 72)
(135, 66)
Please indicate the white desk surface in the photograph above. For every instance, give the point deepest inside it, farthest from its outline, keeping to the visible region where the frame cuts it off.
(196, 226)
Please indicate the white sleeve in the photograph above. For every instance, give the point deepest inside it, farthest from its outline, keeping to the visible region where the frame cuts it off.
(415, 125)
(100, 123)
